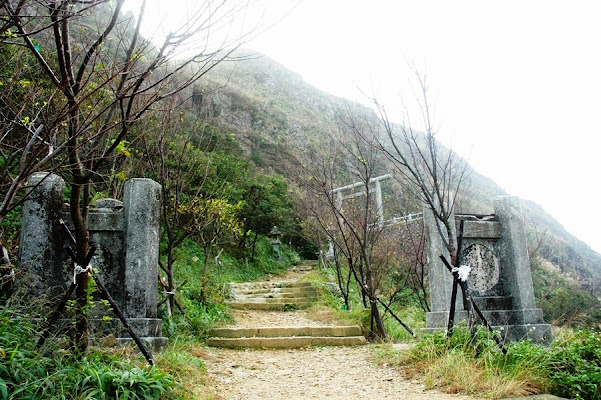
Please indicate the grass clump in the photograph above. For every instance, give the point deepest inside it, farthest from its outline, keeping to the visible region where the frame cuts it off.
(570, 367)
(575, 365)
(53, 373)
(183, 360)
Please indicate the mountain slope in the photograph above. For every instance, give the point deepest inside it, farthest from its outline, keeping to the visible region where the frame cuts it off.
(269, 107)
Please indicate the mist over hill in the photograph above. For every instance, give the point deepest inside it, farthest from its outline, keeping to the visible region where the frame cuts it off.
(273, 112)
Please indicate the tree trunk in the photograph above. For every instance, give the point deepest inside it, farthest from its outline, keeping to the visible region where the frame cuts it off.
(254, 246)
(170, 280)
(80, 336)
(375, 313)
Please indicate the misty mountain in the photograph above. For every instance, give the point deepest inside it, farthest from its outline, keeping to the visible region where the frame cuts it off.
(269, 107)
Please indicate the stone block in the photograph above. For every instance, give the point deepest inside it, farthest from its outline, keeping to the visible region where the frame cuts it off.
(283, 331)
(285, 342)
(339, 341)
(126, 236)
(517, 275)
(481, 229)
(141, 223)
(234, 332)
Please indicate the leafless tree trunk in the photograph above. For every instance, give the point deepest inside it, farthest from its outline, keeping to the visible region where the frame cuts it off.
(174, 159)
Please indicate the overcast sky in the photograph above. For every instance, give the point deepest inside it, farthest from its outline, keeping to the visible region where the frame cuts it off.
(515, 85)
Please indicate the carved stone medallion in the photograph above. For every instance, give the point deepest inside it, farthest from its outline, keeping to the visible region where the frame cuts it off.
(485, 267)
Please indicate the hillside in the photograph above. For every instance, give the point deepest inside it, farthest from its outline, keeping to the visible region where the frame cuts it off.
(273, 112)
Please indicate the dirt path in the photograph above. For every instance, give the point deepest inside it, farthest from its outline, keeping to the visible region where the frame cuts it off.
(314, 373)
(310, 373)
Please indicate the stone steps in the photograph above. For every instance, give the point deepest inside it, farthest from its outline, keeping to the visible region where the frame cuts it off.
(290, 292)
(292, 342)
(280, 296)
(302, 268)
(285, 306)
(286, 337)
(271, 296)
(277, 300)
(272, 331)
(241, 286)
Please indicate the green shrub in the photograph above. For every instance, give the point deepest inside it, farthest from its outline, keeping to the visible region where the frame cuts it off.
(21, 368)
(25, 373)
(575, 366)
(570, 367)
(120, 381)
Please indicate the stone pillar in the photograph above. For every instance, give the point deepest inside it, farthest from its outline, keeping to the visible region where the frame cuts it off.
(141, 208)
(41, 253)
(518, 277)
(439, 278)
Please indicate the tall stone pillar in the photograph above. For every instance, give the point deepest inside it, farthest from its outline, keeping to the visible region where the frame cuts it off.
(439, 278)
(40, 250)
(519, 277)
(141, 208)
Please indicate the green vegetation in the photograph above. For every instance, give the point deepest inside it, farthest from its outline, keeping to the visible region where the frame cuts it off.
(332, 308)
(224, 162)
(204, 310)
(53, 373)
(563, 302)
(570, 367)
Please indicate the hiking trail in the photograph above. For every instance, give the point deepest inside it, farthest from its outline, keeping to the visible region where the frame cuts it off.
(274, 350)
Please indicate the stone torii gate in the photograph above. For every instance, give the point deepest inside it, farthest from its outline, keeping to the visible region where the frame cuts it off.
(340, 197)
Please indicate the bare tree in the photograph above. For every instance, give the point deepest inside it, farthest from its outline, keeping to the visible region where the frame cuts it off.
(436, 172)
(175, 158)
(402, 249)
(104, 77)
(352, 225)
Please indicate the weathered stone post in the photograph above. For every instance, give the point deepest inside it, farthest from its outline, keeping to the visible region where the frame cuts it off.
(141, 208)
(126, 236)
(494, 246)
(518, 278)
(439, 278)
(40, 234)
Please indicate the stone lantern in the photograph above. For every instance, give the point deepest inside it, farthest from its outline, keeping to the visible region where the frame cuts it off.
(276, 242)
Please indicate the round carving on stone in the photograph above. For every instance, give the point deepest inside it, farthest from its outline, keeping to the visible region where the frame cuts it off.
(484, 265)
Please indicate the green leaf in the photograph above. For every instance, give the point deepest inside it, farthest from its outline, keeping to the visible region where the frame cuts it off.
(3, 389)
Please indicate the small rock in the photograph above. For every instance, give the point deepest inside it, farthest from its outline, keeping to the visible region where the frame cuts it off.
(109, 341)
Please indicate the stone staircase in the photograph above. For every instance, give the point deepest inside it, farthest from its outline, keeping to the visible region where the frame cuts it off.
(271, 296)
(288, 337)
(280, 297)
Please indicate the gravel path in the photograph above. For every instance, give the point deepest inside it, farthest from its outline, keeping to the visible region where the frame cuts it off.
(255, 318)
(347, 373)
(314, 373)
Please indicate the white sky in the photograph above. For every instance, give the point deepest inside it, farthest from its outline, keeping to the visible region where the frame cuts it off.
(515, 85)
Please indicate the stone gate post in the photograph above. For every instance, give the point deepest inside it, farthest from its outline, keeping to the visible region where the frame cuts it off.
(42, 235)
(141, 208)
